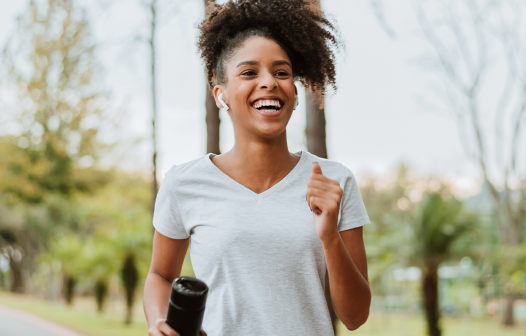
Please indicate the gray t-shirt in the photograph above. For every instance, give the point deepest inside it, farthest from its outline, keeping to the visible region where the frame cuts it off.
(259, 254)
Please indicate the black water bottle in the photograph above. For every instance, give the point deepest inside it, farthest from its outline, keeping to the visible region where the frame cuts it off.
(187, 305)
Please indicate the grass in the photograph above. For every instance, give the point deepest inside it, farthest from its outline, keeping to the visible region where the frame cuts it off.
(82, 317)
(402, 324)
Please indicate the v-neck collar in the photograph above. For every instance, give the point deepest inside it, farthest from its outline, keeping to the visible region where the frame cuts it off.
(208, 161)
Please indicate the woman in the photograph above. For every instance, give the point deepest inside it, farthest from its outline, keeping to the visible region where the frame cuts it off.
(264, 223)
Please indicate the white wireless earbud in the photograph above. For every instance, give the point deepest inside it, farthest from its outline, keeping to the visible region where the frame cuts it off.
(220, 98)
(296, 102)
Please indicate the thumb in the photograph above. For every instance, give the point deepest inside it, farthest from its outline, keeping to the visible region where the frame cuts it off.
(316, 169)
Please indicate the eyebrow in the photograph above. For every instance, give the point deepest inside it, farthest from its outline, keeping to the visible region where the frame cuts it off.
(280, 62)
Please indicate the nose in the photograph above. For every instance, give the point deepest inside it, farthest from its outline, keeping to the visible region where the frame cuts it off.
(267, 81)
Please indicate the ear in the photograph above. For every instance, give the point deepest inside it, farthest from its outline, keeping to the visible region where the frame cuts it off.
(296, 102)
(216, 91)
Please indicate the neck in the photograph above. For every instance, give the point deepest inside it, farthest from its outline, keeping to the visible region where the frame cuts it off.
(259, 164)
(264, 157)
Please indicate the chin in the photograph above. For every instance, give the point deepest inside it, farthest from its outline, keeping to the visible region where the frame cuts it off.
(271, 131)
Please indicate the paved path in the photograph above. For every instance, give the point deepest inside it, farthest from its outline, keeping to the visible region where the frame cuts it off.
(18, 323)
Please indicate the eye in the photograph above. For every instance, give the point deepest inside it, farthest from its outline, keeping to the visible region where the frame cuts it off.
(281, 73)
(248, 73)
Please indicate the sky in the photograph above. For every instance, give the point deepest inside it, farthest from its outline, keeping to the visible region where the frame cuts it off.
(375, 120)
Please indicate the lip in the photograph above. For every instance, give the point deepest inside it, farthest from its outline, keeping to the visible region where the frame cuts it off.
(267, 98)
(272, 114)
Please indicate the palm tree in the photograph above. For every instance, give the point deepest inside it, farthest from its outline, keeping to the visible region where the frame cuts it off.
(439, 221)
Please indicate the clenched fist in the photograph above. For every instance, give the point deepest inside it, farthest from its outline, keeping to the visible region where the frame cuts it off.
(161, 328)
(324, 196)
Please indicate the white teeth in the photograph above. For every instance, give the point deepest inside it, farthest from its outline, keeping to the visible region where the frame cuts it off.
(261, 103)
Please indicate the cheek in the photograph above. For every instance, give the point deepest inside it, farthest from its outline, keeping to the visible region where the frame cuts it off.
(243, 91)
(288, 88)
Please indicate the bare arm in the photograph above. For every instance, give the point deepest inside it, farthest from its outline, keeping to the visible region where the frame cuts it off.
(167, 261)
(344, 251)
(347, 267)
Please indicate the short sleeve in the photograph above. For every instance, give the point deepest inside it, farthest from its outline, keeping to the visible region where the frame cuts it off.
(352, 209)
(167, 218)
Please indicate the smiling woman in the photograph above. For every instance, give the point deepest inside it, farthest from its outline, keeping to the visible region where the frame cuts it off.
(298, 27)
(264, 224)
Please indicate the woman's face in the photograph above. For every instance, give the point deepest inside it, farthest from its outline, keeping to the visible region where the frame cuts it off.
(259, 89)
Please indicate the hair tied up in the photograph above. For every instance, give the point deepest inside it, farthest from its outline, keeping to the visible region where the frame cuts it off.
(298, 26)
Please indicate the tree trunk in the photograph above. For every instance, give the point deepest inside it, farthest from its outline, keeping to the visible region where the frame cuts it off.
(317, 145)
(155, 188)
(212, 113)
(130, 278)
(69, 288)
(509, 318)
(101, 289)
(316, 136)
(212, 123)
(431, 304)
(17, 279)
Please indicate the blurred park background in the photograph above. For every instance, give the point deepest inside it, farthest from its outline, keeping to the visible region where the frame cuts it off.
(99, 98)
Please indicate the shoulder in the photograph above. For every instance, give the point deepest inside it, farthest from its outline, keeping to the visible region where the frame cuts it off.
(187, 170)
(332, 169)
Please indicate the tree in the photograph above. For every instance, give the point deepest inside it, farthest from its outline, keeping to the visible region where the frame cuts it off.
(51, 65)
(474, 42)
(99, 264)
(130, 278)
(60, 106)
(151, 42)
(212, 111)
(438, 223)
(67, 249)
(124, 234)
(315, 129)
(317, 145)
(388, 201)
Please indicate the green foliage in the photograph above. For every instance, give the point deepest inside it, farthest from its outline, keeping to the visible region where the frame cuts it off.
(382, 238)
(511, 261)
(438, 222)
(110, 225)
(60, 110)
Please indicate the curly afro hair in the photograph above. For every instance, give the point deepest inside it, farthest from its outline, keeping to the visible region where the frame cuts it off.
(298, 26)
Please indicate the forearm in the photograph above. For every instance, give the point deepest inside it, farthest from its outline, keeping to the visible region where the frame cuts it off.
(350, 291)
(156, 295)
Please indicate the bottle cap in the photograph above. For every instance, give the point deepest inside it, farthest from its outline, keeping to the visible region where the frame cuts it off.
(189, 293)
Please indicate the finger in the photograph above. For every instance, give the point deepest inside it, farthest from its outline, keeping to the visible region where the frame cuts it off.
(334, 193)
(154, 332)
(318, 204)
(316, 168)
(166, 329)
(203, 333)
(318, 177)
(329, 203)
(330, 195)
(316, 193)
(334, 187)
(314, 205)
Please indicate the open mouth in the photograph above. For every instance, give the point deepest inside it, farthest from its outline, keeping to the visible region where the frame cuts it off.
(267, 105)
